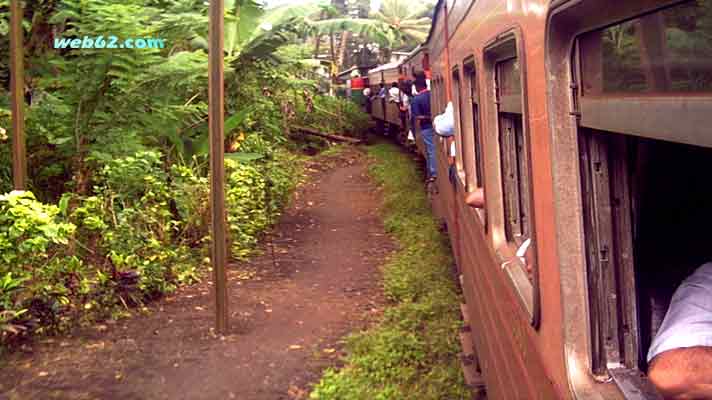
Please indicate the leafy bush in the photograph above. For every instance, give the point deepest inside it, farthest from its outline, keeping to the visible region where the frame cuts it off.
(132, 225)
(38, 276)
(5, 155)
(142, 233)
(247, 207)
(127, 243)
(255, 194)
(189, 190)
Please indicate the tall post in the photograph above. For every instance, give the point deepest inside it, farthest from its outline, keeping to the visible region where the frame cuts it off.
(216, 93)
(17, 98)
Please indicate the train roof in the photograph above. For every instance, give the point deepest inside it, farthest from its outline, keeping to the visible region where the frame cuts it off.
(413, 53)
(438, 6)
(385, 67)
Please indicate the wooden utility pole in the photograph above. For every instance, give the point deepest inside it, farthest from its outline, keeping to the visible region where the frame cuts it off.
(216, 114)
(17, 95)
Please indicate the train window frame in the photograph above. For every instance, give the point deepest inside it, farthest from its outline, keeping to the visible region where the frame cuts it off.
(505, 46)
(566, 23)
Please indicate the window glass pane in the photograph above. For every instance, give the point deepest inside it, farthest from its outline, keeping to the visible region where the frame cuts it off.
(509, 77)
(457, 104)
(479, 165)
(666, 51)
(510, 176)
(522, 178)
(472, 77)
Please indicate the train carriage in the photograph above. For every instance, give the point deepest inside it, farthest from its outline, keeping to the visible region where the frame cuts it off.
(577, 118)
(382, 109)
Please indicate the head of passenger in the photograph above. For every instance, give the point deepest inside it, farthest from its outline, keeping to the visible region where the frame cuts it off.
(381, 85)
(420, 85)
(394, 84)
(405, 87)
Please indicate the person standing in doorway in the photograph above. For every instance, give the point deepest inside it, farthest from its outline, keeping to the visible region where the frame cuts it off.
(420, 113)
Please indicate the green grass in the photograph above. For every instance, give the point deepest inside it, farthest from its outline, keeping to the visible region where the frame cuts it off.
(412, 352)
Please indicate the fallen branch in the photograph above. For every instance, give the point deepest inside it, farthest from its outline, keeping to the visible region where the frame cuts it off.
(337, 138)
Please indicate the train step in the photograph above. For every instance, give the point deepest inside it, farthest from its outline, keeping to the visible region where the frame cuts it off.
(465, 317)
(474, 380)
(468, 358)
(468, 349)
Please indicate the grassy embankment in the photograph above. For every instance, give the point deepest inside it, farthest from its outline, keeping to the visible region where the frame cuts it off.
(413, 352)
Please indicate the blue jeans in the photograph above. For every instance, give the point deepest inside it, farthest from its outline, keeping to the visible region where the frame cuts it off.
(429, 142)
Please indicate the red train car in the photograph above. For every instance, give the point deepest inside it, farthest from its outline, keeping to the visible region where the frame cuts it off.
(586, 124)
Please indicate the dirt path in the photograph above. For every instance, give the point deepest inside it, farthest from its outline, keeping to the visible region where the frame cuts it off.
(288, 313)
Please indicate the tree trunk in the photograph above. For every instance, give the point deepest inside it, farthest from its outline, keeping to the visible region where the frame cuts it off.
(342, 49)
(332, 75)
(318, 38)
(316, 47)
(332, 51)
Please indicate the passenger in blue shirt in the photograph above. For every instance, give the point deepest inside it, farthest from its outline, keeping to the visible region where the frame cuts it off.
(382, 90)
(420, 111)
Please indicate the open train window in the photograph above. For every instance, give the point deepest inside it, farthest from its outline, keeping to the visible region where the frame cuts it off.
(442, 102)
(474, 100)
(434, 94)
(441, 96)
(472, 141)
(643, 100)
(460, 160)
(514, 152)
(504, 67)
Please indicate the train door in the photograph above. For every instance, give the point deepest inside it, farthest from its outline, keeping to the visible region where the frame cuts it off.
(642, 96)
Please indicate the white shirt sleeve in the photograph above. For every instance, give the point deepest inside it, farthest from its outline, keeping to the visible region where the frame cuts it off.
(688, 321)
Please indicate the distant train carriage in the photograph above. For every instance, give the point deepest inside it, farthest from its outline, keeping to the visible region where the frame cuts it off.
(586, 125)
(383, 109)
(353, 83)
(401, 73)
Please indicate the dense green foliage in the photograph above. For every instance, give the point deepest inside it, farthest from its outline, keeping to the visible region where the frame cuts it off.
(140, 234)
(117, 208)
(335, 115)
(414, 349)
